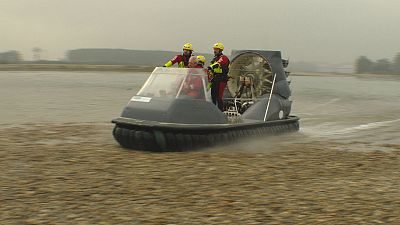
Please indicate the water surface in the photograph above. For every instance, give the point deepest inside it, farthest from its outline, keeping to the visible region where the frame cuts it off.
(352, 110)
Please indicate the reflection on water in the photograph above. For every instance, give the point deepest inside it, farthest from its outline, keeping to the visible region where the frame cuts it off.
(332, 108)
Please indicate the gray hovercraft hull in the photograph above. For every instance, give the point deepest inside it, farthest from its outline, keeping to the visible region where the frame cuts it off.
(153, 123)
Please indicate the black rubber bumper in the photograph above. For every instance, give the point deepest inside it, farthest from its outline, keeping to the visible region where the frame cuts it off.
(162, 137)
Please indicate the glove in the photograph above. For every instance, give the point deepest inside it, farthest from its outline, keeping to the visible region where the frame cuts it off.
(210, 75)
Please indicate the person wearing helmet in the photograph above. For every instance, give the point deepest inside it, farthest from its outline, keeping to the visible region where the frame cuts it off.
(197, 61)
(201, 60)
(218, 69)
(183, 59)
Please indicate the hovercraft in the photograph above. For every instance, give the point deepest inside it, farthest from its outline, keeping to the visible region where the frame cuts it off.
(173, 109)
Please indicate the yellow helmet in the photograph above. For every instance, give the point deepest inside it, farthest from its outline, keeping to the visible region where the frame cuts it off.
(219, 45)
(201, 59)
(188, 46)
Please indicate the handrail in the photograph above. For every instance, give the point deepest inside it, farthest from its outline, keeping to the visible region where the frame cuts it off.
(270, 95)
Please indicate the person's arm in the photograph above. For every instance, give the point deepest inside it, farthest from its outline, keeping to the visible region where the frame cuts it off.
(174, 60)
(168, 64)
(217, 66)
(223, 61)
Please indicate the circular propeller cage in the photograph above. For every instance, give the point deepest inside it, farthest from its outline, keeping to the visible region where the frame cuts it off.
(250, 76)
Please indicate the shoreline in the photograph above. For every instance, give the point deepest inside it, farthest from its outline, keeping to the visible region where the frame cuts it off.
(75, 67)
(143, 68)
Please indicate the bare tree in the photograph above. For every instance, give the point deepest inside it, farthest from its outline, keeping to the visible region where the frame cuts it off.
(363, 65)
(396, 63)
(383, 66)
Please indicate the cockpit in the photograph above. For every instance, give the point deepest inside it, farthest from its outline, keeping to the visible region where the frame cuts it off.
(169, 83)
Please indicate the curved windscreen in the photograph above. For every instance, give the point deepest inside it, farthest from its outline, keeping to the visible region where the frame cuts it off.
(251, 76)
(164, 82)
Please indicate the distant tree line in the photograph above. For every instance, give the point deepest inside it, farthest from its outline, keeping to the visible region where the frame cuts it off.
(99, 56)
(122, 56)
(10, 57)
(381, 66)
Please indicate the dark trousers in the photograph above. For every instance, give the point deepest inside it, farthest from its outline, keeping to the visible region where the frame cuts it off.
(217, 92)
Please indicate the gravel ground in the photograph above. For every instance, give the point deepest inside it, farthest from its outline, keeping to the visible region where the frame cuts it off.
(77, 174)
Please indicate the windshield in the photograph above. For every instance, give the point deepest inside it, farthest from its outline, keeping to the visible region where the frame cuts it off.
(164, 82)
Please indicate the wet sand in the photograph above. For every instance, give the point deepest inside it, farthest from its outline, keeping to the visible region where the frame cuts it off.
(75, 173)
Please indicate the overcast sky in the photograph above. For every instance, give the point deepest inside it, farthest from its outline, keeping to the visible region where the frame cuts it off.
(304, 30)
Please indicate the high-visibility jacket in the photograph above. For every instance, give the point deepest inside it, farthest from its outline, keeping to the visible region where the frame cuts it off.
(219, 66)
(182, 60)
